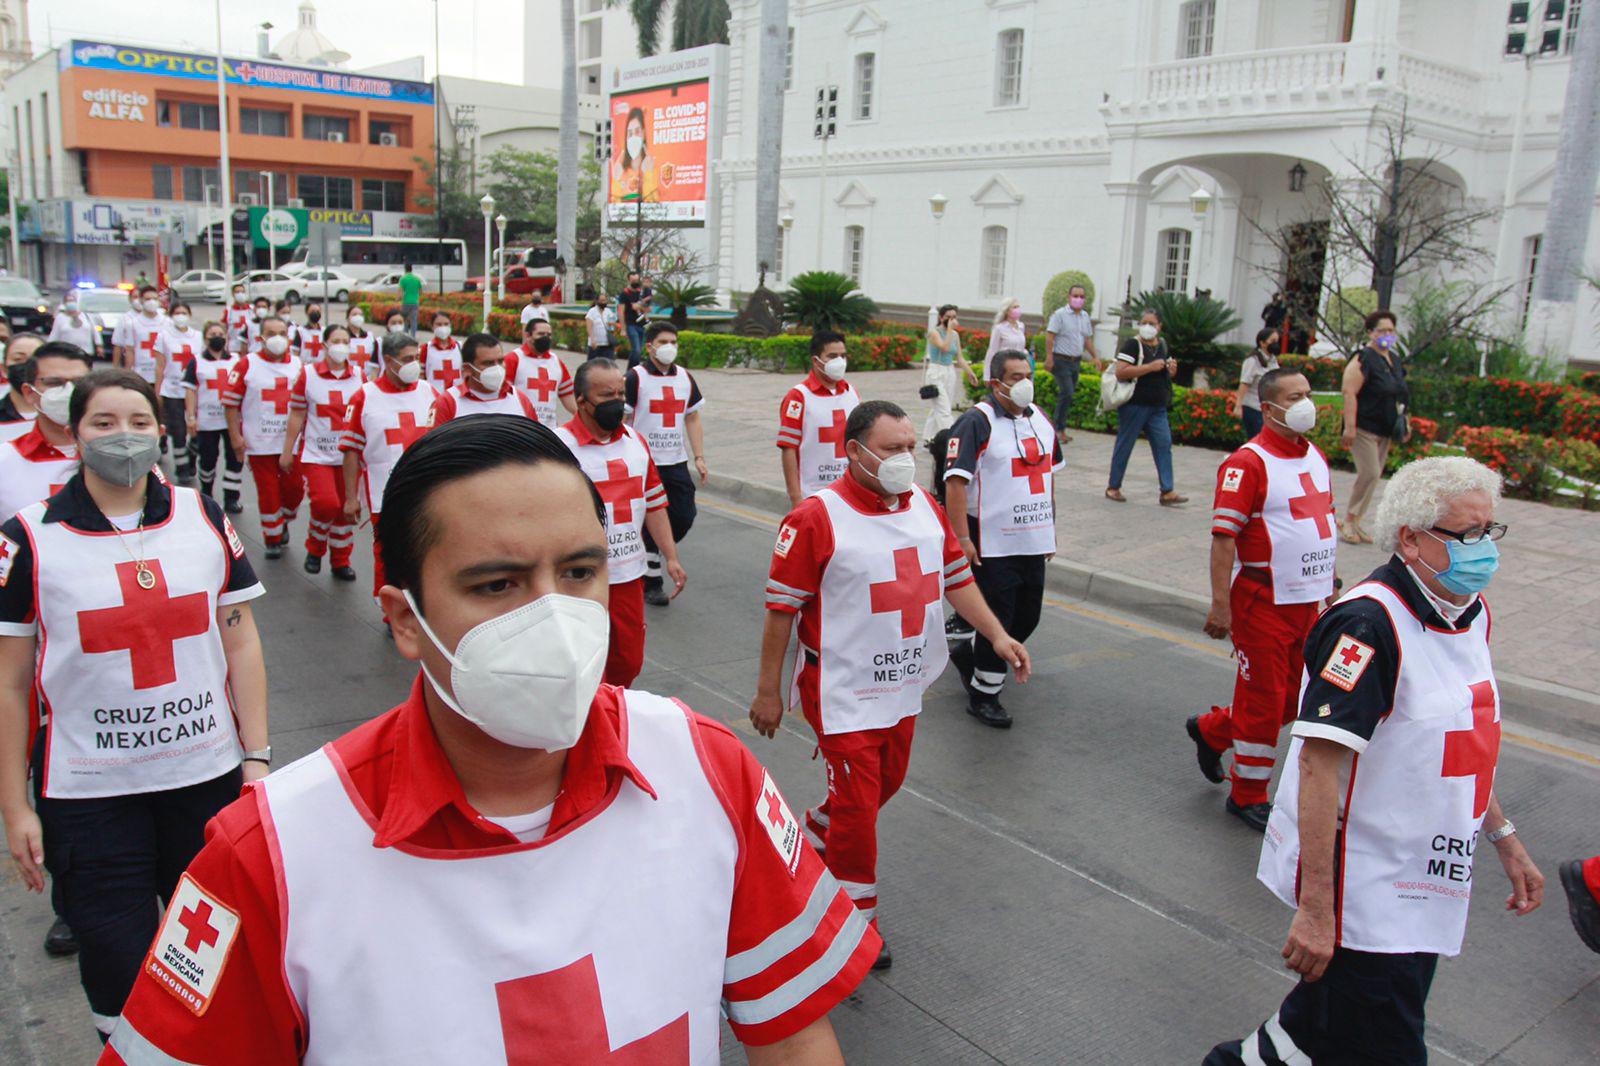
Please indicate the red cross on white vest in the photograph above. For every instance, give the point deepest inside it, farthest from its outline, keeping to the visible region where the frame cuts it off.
(1315, 506)
(406, 433)
(834, 434)
(216, 383)
(1474, 752)
(148, 344)
(146, 626)
(542, 384)
(909, 593)
(446, 375)
(668, 406)
(277, 395)
(1032, 464)
(560, 1017)
(334, 409)
(620, 490)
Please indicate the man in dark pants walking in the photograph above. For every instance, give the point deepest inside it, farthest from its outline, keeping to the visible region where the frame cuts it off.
(999, 488)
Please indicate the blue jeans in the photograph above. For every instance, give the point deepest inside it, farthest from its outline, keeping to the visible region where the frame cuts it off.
(1067, 368)
(1253, 421)
(1136, 418)
(635, 345)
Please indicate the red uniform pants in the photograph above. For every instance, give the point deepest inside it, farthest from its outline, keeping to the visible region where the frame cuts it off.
(865, 769)
(1269, 641)
(328, 525)
(278, 496)
(625, 658)
(378, 576)
(1591, 876)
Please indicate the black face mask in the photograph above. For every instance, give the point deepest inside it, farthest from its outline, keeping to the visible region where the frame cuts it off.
(14, 375)
(542, 344)
(608, 415)
(313, 316)
(216, 344)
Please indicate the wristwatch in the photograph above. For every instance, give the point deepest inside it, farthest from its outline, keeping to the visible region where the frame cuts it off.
(259, 755)
(1497, 835)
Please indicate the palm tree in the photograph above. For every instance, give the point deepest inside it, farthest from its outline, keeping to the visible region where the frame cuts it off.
(567, 163)
(694, 22)
(769, 127)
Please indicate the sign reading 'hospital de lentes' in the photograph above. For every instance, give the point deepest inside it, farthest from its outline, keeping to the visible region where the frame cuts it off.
(100, 55)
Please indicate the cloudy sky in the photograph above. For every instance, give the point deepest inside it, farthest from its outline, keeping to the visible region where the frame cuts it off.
(477, 38)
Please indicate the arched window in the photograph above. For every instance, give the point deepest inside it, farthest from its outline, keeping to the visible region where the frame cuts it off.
(1008, 69)
(855, 251)
(1174, 253)
(993, 259)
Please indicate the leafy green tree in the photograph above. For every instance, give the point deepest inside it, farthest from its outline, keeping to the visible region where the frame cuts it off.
(461, 212)
(1189, 324)
(823, 299)
(523, 185)
(1058, 288)
(694, 22)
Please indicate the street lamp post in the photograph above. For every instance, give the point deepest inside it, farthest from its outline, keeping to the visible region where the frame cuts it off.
(500, 274)
(272, 248)
(222, 137)
(487, 204)
(937, 203)
(211, 255)
(786, 221)
(1199, 204)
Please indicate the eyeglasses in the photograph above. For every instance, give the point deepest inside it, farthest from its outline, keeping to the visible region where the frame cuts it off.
(1492, 531)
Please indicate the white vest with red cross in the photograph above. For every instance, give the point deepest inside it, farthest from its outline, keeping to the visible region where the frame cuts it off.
(1298, 513)
(34, 475)
(237, 317)
(619, 469)
(327, 402)
(363, 350)
(551, 951)
(390, 423)
(210, 378)
(882, 624)
(822, 457)
(181, 347)
(147, 333)
(468, 403)
(1413, 811)
(663, 405)
(1013, 494)
(539, 375)
(441, 365)
(308, 343)
(264, 410)
(130, 663)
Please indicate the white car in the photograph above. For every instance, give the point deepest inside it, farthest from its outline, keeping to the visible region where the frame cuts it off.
(201, 285)
(275, 285)
(387, 282)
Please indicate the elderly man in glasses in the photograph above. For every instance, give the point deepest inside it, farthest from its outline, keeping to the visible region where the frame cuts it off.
(1388, 788)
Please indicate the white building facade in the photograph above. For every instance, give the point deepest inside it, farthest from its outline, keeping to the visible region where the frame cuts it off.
(1070, 135)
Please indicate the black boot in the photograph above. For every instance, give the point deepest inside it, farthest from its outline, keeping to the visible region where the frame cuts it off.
(1210, 758)
(655, 592)
(59, 941)
(987, 709)
(231, 504)
(961, 659)
(274, 549)
(1581, 904)
(344, 573)
(1254, 815)
(313, 564)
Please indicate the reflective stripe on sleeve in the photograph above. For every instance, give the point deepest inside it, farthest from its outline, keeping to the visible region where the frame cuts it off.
(1226, 512)
(135, 1050)
(752, 961)
(805, 984)
(775, 599)
(786, 590)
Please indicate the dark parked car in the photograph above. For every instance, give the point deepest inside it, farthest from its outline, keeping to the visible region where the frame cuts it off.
(24, 306)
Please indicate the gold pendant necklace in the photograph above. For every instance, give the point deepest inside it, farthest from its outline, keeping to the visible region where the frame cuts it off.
(141, 569)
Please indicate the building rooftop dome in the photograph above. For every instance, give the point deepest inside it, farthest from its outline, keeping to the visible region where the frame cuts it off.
(307, 45)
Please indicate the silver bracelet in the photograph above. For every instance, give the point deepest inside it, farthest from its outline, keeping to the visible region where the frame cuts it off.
(1505, 830)
(259, 755)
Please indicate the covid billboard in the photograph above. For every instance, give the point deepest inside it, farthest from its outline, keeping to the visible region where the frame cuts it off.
(659, 138)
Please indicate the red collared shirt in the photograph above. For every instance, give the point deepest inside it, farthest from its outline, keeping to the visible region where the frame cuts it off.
(1242, 490)
(791, 409)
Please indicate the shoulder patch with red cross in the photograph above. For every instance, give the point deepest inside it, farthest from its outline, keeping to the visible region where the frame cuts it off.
(781, 825)
(8, 558)
(795, 407)
(953, 451)
(193, 945)
(786, 537)
(1348, 662)
(1232, 478)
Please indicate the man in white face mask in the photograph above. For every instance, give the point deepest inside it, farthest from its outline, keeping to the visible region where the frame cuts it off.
(39, 462)
(539, 837)
(485, 387)
(1272, 571)
(811, 420)
(999, 485)
(663, 404)
(866, 563)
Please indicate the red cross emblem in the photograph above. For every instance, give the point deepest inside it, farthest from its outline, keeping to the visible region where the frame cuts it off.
(833, 434)
(620, 490)
(333, 410)
(406, 433)
(1032, 464)
(559, 1017)
(148, 345)
(542, 384)
(196, 921)
(146, 626)
(669, 407)
(216, 383)
(447, 374)
(774, 808)
(1474, 752)
(277, 395)
(1314, 506)
(909, 593)
(312, 344)
(183, 356)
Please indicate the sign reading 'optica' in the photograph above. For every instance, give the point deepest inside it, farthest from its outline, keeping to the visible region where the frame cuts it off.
(98, 55)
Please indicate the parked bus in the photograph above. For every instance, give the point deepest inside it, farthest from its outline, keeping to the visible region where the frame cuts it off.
(368, 258)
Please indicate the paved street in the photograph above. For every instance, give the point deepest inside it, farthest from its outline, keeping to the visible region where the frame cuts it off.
(1069, 891)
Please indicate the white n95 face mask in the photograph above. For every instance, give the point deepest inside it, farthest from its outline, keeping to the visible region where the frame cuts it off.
(896, 473)
(1300, 416)
(490, 379)
(834, 368)
(1021, 393)
(527, 677)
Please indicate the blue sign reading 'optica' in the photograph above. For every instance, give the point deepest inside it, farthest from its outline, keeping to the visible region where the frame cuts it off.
(102, 56)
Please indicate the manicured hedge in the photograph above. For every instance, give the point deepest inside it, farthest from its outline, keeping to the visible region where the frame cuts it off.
(1533, 464)
(1539, 407)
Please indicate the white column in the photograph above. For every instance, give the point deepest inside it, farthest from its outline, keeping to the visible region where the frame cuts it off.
(1130, 205)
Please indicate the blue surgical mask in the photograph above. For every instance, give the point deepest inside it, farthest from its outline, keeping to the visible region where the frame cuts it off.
(1387, 341)
(1471, 568)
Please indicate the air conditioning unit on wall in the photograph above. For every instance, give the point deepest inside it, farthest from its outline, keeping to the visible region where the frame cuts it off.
(389, 140)
(336, 137)
(249, 199)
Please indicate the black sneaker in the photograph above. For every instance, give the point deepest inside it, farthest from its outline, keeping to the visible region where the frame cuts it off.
(957, 628)
(987, 710)
(59, 941)
(1210, 758)
(313, 564)
(655, 592)
(884, 959)
(1581, 904)
(344, 573)
(274, 551)
(232, 505)
(961, 659)
(1254, 815)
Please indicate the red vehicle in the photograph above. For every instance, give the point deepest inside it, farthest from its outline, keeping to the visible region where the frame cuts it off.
(520, 281)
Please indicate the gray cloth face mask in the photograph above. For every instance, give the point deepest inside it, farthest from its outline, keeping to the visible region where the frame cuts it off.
(121, 458)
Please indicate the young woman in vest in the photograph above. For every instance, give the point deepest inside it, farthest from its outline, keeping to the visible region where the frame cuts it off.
(363, 345)
(124, 601)
(176, 349)
(203, 382)
(441, 357)
(317, 407)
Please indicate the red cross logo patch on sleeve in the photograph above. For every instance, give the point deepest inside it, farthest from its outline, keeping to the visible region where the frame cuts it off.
(786, 537)
(1348, 662)
(774, 815)
(952, 452)
(8, 558)
(1232, 478)
(795, 407)
(192, 948)
(235, 545)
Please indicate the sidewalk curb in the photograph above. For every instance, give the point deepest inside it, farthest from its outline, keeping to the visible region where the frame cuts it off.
(1544, 705)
